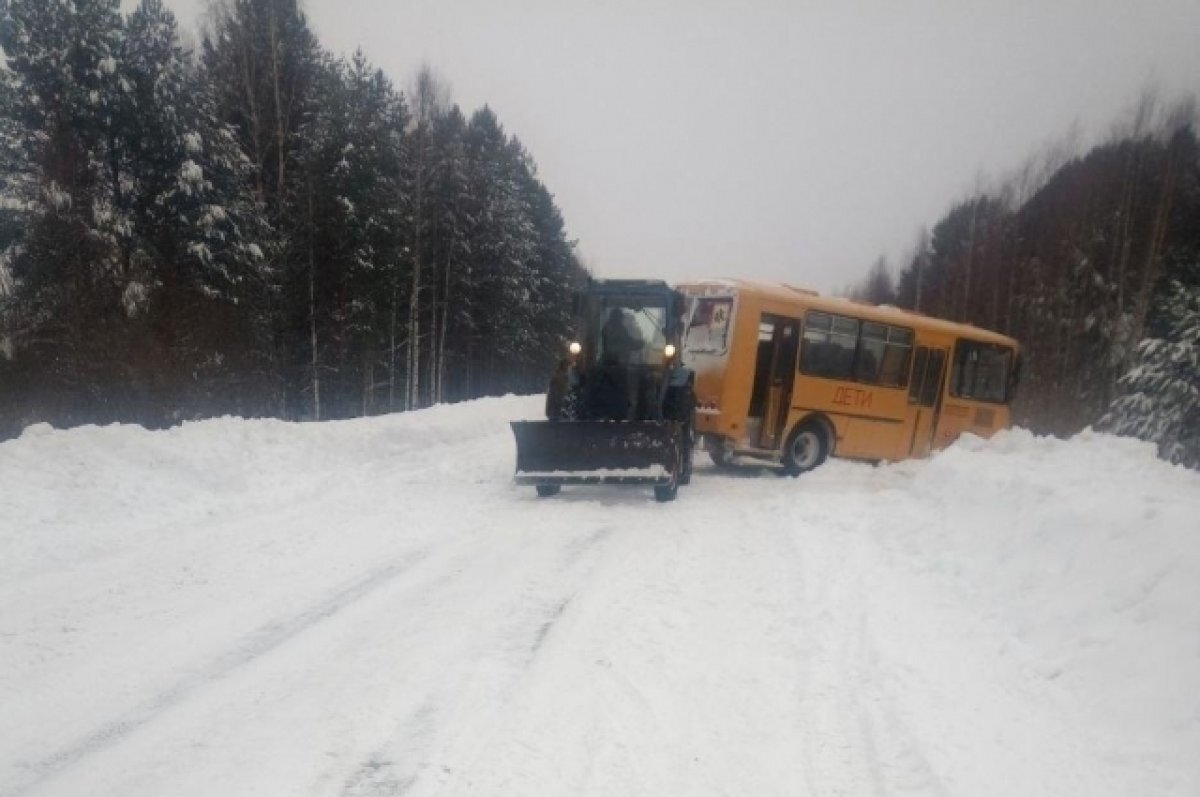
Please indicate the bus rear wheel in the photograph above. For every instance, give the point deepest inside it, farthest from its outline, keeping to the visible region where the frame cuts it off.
(806, 448)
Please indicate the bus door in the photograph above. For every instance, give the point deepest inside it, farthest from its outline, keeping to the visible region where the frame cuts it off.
(925, 396)
(774, 376)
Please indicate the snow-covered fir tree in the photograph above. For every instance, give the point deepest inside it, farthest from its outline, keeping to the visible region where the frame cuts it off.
(263, 229)
(199, 239)
(1159, 397)
(63, 222)
(503, 247)
(449, 247)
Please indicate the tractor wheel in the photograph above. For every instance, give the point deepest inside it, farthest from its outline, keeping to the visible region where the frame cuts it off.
(667, 492)
(807, 447)
(681, 406)
(688, 455)
(685, 475)
(547, 490)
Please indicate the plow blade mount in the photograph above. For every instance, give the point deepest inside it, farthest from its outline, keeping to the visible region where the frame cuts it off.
(596, 452)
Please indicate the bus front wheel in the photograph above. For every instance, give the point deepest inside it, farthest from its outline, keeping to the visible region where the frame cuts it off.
(720, 455)
(807, 447)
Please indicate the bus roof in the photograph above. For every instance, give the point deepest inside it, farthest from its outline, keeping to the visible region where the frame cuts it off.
(871, 312)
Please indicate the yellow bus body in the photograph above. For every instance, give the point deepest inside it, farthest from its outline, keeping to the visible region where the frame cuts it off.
(893, 416)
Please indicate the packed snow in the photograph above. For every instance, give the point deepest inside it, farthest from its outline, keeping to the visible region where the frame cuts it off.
(371, 607)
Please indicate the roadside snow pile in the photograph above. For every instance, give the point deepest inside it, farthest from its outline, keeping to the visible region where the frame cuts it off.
(68, 492)
(371, 607)
(1075, 564)
(1094, 555)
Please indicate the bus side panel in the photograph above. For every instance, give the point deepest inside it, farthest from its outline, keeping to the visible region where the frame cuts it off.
(875, 439)
(977, 417)
(870, 420)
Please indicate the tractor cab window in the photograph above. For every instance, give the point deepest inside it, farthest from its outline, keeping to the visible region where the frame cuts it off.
(628, 330)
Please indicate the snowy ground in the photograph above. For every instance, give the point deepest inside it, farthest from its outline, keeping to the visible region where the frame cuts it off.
(371, 608)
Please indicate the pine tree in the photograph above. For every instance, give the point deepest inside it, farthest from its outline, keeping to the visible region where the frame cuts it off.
(556, 272)
(878, 287)
(428, 100)
(264, 65)
(449, 247)
(351, 153)
(198, 239)
(1159, 397)
(261, 230)
(63, 224)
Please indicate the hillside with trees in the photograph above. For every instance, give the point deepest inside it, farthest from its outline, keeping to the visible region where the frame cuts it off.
(1092, 261)
(255, 226)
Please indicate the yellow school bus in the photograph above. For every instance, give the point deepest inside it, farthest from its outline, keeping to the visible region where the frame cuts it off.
(786, 375)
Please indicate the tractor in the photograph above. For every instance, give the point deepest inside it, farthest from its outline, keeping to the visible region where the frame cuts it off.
(620, 408)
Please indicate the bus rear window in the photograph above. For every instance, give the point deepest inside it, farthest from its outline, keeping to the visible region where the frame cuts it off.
(708, 330)
(980, 371)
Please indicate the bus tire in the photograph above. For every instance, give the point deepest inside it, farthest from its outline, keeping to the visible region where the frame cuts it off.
(807, 447)
(718, 454)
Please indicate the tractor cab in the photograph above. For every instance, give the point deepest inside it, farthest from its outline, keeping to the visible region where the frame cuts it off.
(628, 345)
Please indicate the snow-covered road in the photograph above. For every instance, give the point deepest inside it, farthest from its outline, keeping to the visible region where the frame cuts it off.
(371, 608)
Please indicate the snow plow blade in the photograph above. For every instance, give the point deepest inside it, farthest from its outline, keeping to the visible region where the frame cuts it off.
(596, 452)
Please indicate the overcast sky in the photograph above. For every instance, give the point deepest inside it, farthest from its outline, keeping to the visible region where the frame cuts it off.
(789, 140)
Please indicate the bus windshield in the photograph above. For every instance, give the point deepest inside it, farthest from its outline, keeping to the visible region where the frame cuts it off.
(708, 328)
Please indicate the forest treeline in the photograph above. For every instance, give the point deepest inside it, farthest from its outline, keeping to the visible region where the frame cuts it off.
(1092, 261)
(255, 226)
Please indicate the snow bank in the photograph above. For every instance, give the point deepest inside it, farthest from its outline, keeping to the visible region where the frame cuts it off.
(1075, 563)
(370, 606)
(126, 482)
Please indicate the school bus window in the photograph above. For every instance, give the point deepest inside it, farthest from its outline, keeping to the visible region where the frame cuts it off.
(918, 375)
(871, 347)
(883, 355)
(708, 332)
(980, 372)
(829, 343)
(894, 371)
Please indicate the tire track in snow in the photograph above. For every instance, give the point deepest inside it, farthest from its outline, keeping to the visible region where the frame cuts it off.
(397, 764)
(258, 644)
(644, 678)
(837, 747)
(575, 552)
(379, 775)
(857, 741)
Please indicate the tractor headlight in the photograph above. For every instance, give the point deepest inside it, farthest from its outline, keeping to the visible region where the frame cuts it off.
(574, 347)
(669, 350)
